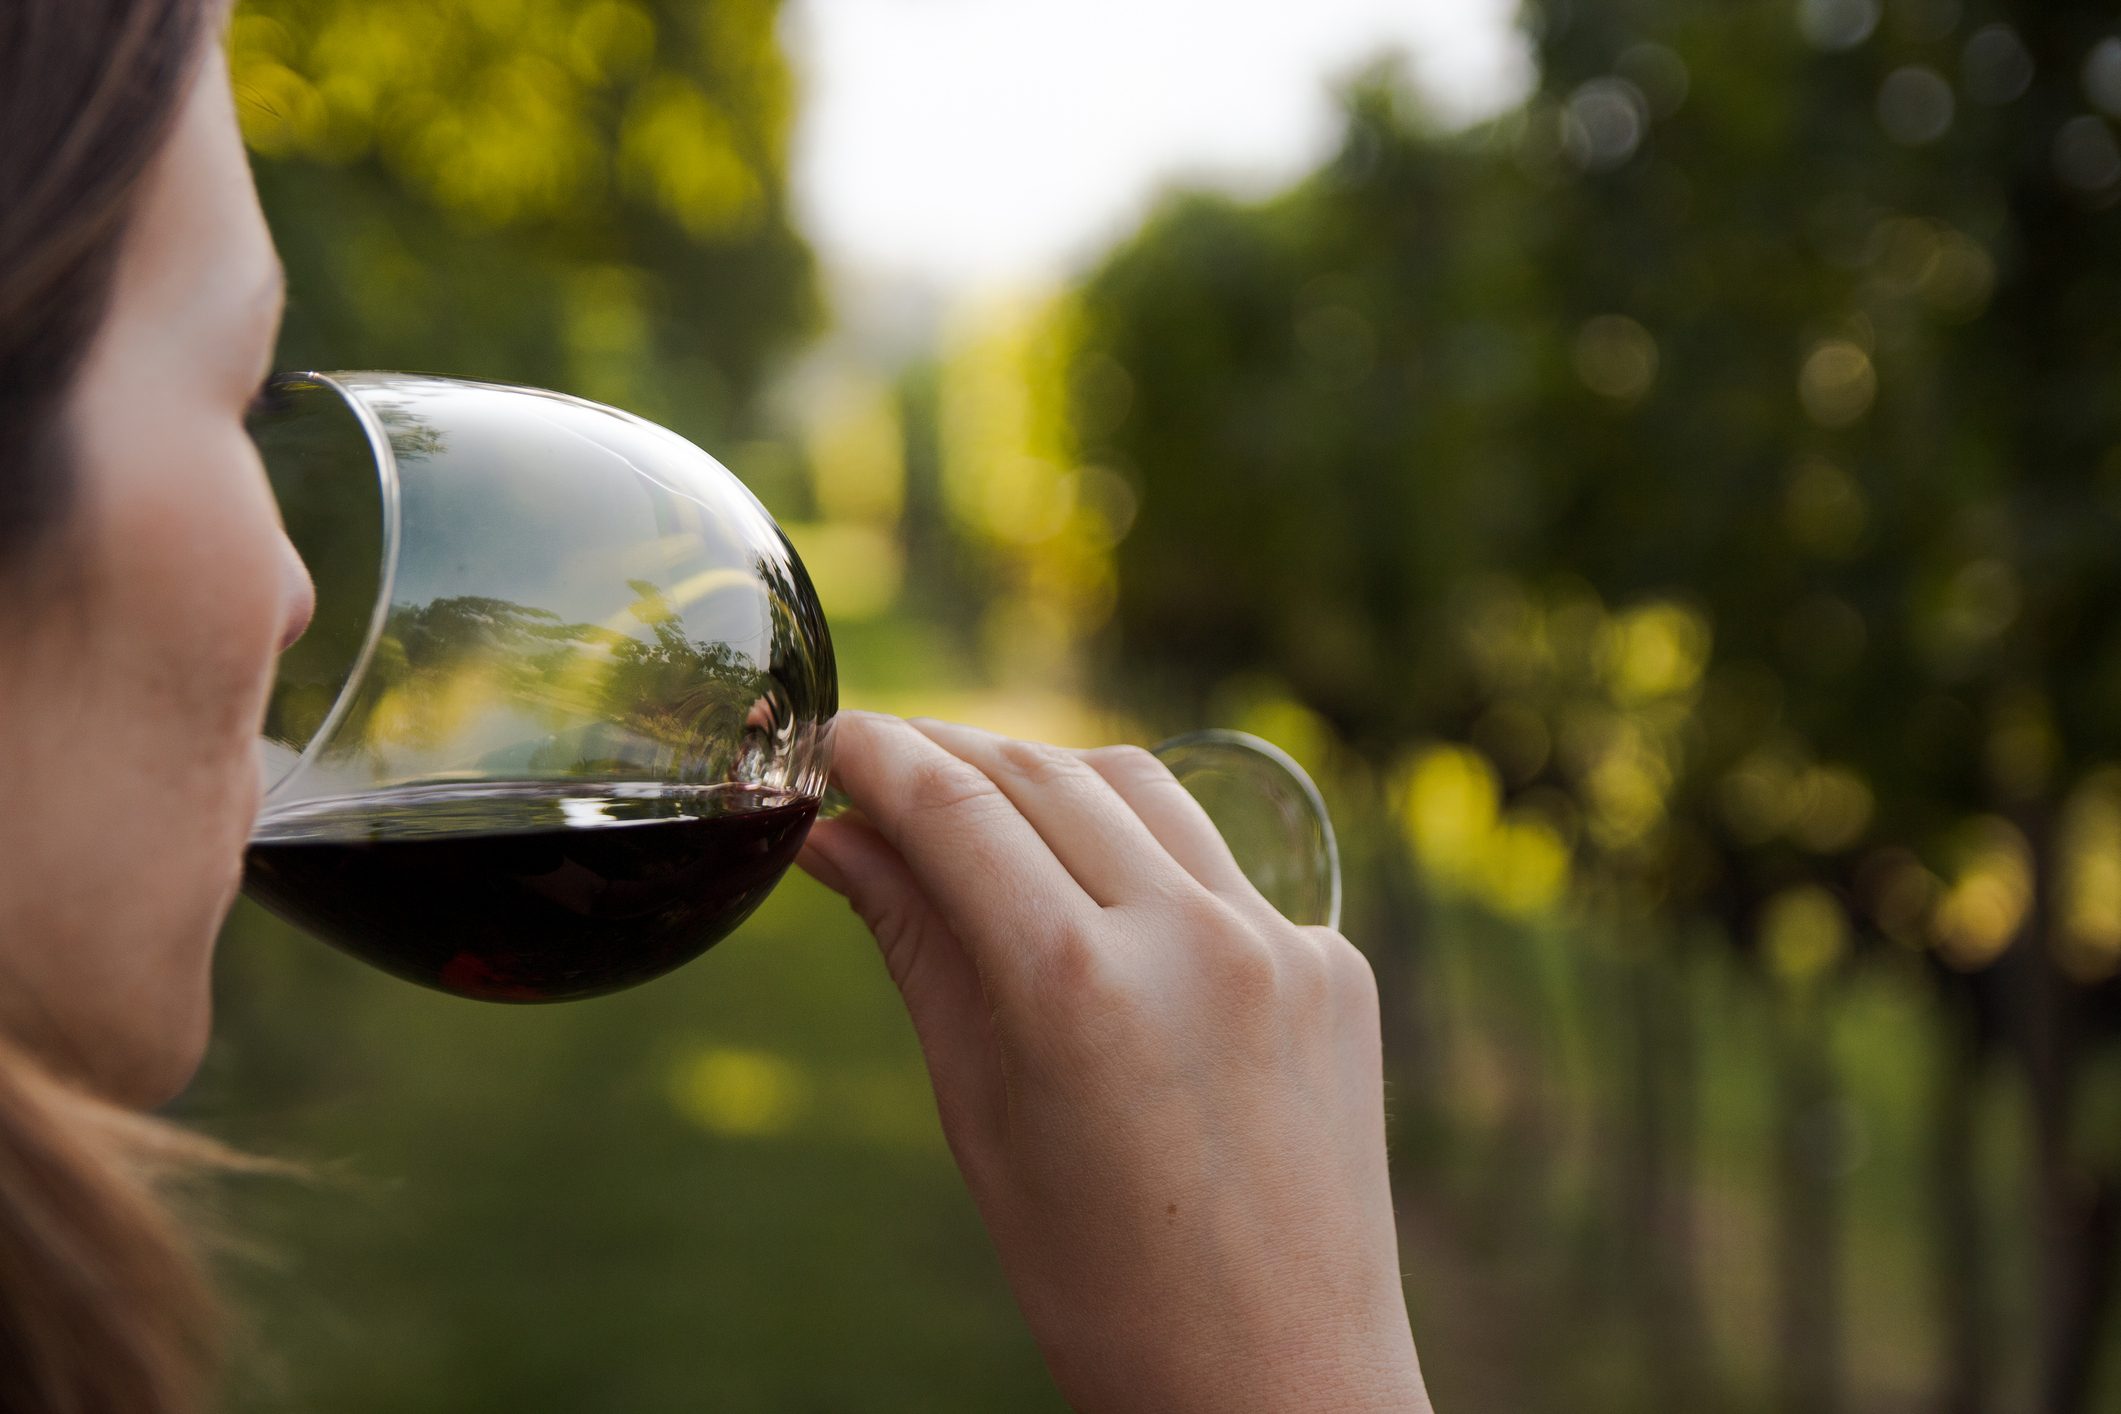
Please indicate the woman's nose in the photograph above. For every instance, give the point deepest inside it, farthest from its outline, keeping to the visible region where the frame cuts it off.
(300, 597)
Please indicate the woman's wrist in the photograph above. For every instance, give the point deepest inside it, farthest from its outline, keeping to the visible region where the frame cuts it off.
(1378, 1375)
(1345, 1367)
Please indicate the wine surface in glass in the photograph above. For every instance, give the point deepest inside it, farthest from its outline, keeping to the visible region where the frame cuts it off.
(528, 891)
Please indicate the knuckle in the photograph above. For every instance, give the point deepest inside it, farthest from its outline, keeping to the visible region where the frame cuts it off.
(1254, 967)
(892, 924)
(1247, 967)
(1036, 762)
(944, 785)
(883, 916)
(1212, 919)
(1354, 980)
(1079, 978)
(1132, 763)
(1312, 972)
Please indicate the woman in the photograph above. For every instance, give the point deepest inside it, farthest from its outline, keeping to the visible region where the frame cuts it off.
(1166, 1100)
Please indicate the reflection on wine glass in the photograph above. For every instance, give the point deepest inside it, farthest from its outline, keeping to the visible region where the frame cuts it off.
(1270, 814)
(562, 718)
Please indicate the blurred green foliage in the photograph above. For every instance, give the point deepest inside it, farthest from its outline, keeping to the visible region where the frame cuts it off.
(1689, 502)
(584, 194)
(1674, 520)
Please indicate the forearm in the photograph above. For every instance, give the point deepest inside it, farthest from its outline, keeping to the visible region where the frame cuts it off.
(1291, 1351)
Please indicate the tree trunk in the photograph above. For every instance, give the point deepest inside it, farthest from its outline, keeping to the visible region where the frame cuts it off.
(2056, 313)
(1962, 1267)
(1809, 1170)
(1390, 924)
(2075, 1207)
(1663, 1191)
(2074, 1221)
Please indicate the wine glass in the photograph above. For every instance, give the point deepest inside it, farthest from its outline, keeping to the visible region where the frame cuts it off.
(563, 717)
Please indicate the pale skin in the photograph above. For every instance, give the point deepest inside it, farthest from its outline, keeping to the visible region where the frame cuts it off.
(133, 671)
(1167, 1101)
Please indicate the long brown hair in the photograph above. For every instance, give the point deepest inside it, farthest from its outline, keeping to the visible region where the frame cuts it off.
(103, 1308)
(88, 89)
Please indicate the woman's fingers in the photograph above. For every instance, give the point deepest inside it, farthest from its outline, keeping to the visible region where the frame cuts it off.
(1171, 814)
(1135, 1094)
(934, 974)
(1102, 843)
(990, 878)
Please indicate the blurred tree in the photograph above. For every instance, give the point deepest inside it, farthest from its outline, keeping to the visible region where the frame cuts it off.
(1716, 446)
(583, 194)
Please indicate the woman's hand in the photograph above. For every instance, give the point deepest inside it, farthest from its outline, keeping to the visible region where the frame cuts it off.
(1166, 1099)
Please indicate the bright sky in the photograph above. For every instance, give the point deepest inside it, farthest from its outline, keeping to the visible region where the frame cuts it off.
(961, 143)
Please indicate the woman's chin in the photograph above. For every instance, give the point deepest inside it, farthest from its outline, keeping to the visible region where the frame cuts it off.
(145, 1068)
(172, 1072)
(125, 1065)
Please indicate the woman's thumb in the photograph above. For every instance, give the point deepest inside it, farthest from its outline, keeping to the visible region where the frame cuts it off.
(934, 976)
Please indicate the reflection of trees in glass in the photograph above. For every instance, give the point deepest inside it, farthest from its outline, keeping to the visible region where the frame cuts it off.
(412, 436)
(801, 651)
(610, 699)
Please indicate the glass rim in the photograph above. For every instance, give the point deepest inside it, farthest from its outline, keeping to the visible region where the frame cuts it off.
(384, 460)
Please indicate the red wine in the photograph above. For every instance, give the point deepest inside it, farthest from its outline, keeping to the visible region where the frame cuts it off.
(527, 892)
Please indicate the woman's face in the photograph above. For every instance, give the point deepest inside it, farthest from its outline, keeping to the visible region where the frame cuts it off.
(133, 673)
